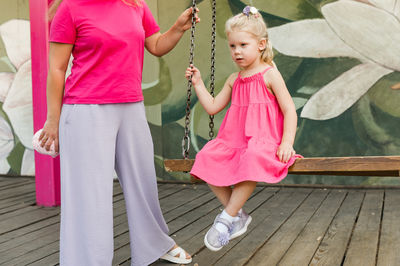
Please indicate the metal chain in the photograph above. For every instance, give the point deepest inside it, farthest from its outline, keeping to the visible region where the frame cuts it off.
(186, 138)
(212, 83)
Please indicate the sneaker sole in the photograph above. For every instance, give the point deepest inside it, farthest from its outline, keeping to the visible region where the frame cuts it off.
(244, 229)
(209, 246)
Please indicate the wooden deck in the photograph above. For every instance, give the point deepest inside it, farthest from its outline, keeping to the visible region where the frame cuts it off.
(291, 226)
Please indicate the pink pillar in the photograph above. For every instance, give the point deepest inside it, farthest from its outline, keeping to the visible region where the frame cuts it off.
(47, 170)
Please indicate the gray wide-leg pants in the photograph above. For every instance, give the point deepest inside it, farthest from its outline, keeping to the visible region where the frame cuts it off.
(95, 139)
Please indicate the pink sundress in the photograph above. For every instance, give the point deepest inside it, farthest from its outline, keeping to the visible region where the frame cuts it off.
(247, 141)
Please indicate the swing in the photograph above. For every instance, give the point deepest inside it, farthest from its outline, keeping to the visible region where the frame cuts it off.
(348, 166)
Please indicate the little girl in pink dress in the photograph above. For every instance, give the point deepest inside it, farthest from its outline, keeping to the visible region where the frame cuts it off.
(255, 140)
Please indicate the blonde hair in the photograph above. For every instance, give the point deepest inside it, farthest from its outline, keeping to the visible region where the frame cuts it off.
(133, 2)
(253, 24)
(52, 9)
(54, 6)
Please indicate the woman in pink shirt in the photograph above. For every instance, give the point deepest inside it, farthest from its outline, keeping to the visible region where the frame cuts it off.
(97, 121)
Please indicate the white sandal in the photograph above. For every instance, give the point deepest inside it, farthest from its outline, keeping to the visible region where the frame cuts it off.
(171, 256)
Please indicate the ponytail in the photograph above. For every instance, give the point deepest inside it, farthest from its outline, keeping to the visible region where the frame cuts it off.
(267, 54)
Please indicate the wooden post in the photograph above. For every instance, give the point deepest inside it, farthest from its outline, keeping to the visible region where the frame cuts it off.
(47, 170)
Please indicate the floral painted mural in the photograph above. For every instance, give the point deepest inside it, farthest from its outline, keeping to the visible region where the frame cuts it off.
(340, 62)
(339, 59)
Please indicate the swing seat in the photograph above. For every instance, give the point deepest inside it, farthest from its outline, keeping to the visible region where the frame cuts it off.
(347, 166)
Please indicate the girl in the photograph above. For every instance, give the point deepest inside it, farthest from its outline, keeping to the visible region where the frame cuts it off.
(255, 140)
(101, 124)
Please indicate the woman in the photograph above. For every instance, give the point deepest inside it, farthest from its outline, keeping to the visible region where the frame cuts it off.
(99, 122)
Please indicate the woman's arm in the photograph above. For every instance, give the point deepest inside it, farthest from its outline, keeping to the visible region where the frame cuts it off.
(159, 44)
(210, 104)
(59, 55)
(278, 86)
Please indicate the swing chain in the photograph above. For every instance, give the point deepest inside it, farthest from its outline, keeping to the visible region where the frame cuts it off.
(186, 138)
(212, 77)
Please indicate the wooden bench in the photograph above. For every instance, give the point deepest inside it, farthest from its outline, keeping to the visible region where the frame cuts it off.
(348, 166)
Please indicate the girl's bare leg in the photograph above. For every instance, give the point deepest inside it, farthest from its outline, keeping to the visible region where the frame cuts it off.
(240, 194)
(223, 193)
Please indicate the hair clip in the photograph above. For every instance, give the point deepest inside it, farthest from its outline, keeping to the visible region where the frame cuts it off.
(250, 9)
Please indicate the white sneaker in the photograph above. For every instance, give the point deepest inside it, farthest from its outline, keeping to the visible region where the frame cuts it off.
(214, 239)
(239, 227)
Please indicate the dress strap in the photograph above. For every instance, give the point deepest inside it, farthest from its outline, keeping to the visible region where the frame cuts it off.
(265, 70)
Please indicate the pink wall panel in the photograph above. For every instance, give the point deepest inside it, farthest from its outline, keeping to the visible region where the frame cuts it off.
(47, 170)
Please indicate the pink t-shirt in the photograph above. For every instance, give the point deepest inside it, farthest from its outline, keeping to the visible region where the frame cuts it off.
(108, 38)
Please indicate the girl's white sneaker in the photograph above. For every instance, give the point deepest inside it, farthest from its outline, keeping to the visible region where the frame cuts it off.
(239, 227)
(214, 239)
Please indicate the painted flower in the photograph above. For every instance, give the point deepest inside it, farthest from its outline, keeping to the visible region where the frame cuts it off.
(16, 92)
(366, 30)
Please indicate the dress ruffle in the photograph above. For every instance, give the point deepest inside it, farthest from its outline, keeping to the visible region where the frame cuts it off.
(221, 165)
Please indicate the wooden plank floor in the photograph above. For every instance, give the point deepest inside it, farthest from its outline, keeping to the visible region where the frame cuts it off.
(291, 226)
